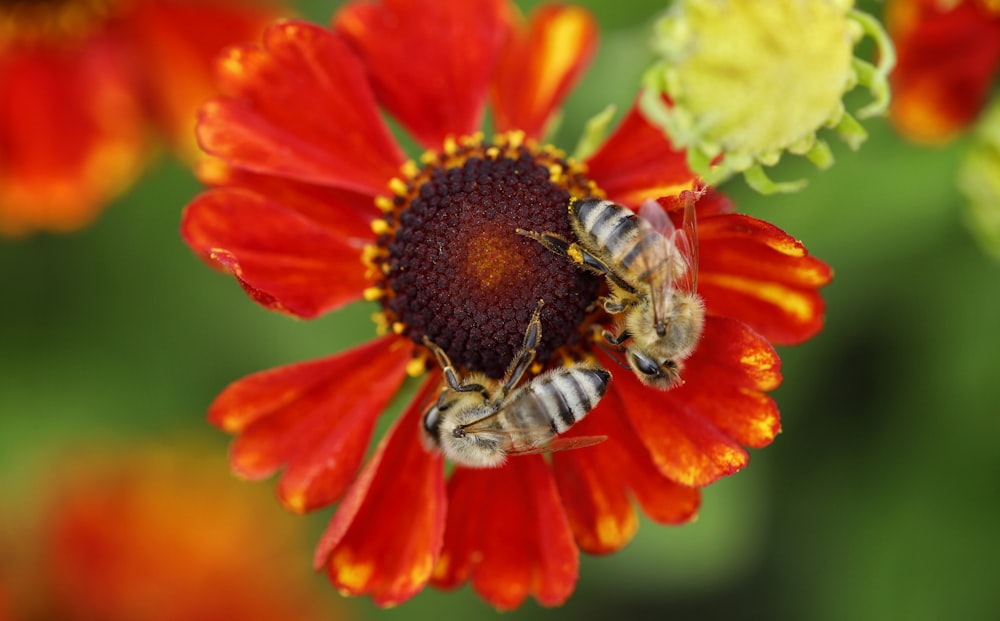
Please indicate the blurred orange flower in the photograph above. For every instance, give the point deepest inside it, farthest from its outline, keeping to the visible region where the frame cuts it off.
(158, 535)
(313, 205)
(948, 60)
(81, 84)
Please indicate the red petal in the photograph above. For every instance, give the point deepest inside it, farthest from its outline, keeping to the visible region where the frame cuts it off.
(507, 532)
(284, 261)
(685, 431)
(638, 162)
(594, 483)
(348, 213)
(176, 44)
(387, 533)
(594, 491)
(755, 272)
(71, 134)
(948, 56)
(300, 107)
(430, 62)
(539, 66)
(310, 418)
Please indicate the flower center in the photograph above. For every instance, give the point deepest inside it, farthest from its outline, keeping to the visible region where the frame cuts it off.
(32, 20)
(454, 268)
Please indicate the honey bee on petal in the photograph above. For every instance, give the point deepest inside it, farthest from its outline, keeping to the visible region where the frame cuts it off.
(651, 268)
(477, 421)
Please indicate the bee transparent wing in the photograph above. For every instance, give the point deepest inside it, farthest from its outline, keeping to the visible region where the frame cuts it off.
(559, 443)
(687, 240)
(527, 440)
(657, 263)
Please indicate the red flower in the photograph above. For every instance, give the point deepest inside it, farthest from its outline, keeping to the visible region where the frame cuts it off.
(156, 535)
(948, 59)
(300, 214)
(80, 82)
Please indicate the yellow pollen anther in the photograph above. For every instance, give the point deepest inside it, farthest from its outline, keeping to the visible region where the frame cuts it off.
(398, 327)
(515, 138)
(555, 172)
(381, 323)
(379, 226)
(398, 186)
(450, 147)
(384, 204)
(416, 367)
(409, 169)
(371, 294)
(493, 152)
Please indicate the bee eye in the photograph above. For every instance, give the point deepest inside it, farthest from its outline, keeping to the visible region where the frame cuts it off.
(432, 420)
(644, 365)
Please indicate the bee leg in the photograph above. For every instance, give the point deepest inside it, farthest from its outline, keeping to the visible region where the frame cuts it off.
(608, 336)
(613, 306)
(571, 250)
(552, 241)
(449, 371)
(524, 358)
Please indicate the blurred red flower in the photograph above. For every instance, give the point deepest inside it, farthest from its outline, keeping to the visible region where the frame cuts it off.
(82, 83)
(153, 534)
(313, 205)
(948, 60)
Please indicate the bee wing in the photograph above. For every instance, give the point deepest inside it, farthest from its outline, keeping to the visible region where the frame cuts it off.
(681, 247)
(560, 443)
(657, 263)
(513, 440)
(686, 240)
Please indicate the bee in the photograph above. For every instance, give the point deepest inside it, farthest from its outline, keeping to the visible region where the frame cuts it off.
(651, 268)
(477, 421)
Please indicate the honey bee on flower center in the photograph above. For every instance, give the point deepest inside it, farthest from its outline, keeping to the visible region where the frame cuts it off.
(652, 269)
(450, 268)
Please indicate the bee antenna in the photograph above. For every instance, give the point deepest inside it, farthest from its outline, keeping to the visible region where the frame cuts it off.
(612, 354)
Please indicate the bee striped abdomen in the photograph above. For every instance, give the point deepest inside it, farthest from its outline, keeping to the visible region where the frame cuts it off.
(611, 227)
(562, 397)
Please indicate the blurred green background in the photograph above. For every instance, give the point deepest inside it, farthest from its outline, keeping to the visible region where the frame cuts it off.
(878, 501)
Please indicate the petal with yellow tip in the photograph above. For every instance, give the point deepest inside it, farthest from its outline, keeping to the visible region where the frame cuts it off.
(386, 535)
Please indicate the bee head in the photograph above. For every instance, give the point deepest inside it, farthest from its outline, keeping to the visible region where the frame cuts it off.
(663, 375)
(432, 423)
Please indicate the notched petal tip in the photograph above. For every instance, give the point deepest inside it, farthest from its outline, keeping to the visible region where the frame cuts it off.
(508, 534)
(304, 417)
(539, 65)
(753, 271)
(386, 535)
